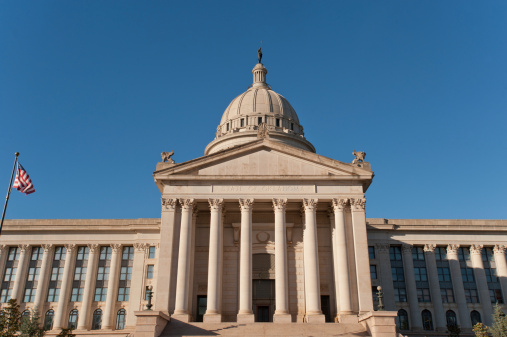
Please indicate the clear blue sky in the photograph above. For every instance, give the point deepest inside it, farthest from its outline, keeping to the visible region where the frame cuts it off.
(91, 93)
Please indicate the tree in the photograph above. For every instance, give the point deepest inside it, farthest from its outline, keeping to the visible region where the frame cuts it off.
(31, 327)
(66, 333)
(453, 330)
(480, 330)
(10, 318)
(499, 327)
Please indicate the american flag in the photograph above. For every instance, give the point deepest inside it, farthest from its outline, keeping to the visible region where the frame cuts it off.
(23, 183)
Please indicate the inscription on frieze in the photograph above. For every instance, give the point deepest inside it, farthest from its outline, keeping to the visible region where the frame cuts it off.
(263, 189)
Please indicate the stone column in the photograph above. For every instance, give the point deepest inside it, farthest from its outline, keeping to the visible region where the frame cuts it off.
(341, 258)
(165, 258)
(112, 287)
(213, 313)
(281, 277)
(245, 314)
(136, 284)
(45, 272)
(501, 267)
(436, 297)
(386, 276)
(4, 252)
(311, 263)
(482, 283)
(361, 253)
(457, 285)
(408, 266)
(91, 269)
(19, 280)
(66, 285)
(182, 282)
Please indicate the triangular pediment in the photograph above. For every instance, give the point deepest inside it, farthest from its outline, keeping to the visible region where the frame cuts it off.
(264, 158)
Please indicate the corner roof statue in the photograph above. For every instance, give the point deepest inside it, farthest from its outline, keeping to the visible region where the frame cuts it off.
(359, 157)
(166, 157)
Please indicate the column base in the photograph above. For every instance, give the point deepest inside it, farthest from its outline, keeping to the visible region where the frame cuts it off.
(245, 318)
(316, 318)
(181, 317)
(282, 318)
(347, 317)
(212, 318)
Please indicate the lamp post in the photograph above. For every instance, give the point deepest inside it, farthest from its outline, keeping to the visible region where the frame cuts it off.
(150, 296)
(380, 296)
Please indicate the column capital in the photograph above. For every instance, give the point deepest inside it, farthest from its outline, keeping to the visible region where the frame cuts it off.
(116, 247)
(499, 249)
(168, 204)
(357, 204)
(310, 204)
(215, 204)
(140, 246)
(3, 249)
(246, 204)
(92, 247)
(339, 204)
(429, 247)
(279, 204)
(382, 247)
(187, 203)
(406, 248)
(24, 248)
(452, 248)
(47, 247)
(476, 249)
(69, 247)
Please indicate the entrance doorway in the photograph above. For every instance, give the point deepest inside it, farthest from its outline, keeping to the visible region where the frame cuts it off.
(326, 307)
(262, 313)
(263, 300)
(202, 304)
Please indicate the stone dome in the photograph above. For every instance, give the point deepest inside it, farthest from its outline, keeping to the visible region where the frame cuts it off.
(259, 107)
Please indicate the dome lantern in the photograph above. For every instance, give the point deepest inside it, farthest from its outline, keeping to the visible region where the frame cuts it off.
(259, 76)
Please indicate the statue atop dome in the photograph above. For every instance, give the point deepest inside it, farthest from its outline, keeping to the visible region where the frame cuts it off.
(259, 53)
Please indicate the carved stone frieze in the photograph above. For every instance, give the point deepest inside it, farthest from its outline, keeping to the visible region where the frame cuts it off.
(246, 204)
(279, 204)
(452, 248)
(357, 204)
(476, 249)
(340, 204)
(499, 249)
(169, 204)
(310, 205)
(215, 204)
(430, 247)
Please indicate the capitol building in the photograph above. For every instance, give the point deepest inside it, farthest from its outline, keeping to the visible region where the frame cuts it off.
(261, 236)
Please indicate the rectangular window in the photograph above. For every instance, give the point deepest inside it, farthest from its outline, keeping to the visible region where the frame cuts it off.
(149, 271)
(417, 254)
(400, 295)
(423, 295)
(259, 120)
(447, 295)
(496, 295)
(80, 274)
(100, 294)
(102, 273)
(471, 296)
(464, 254)
(242, 122)
(395, 253)
(126, 273)
(440, 254)
(29, 295)
(57, 274)
(53, 294)
(292, 126)
(491, 275)
(420, 274)
(151, 254)
(128, 253)
(397, 273)
(33, 274)
(123, 294)
(105, 253)
(82, 253)
(13, 254)
(487, 255)
(467, 274)
(373, 272)
(444, 274)
(371, 252)
(60, 253)
(10, 274)
(37, 253)
(77, 295)
(5, 295)
(278, 122)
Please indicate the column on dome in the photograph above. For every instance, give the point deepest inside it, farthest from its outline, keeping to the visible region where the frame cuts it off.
(386, 276)
(182, 282)
(112, 287)
(365, 299)
(68, 277)
(91, 271)
(457, 284)
(136, 288)
(408, 266)
(45, 272)
(281, 276)
(340, 259)
(482, 283)
(436, 297)
(311, 263)
(213, 313)
(501, 267)
(19, 281)
(165, 258)
(245, 313)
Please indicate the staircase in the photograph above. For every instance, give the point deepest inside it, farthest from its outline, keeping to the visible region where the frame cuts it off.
(178, 328)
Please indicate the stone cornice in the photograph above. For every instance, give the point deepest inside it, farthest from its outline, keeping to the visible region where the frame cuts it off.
(436, 225)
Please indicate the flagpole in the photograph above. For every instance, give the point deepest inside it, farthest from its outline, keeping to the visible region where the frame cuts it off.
(9, 190)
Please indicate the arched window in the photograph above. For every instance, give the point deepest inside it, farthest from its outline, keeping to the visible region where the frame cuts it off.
(48, 320)
(120, 319)
(97, 320)
(25, 318)
(73, 319)
(402, 320)
(451, 318)
(475, 317)
(427, 320)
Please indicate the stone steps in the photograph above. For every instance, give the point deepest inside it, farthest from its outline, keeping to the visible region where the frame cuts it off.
(178, 328)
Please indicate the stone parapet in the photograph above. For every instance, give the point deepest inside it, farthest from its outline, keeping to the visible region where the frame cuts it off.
(380, 323)
(150, 323)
